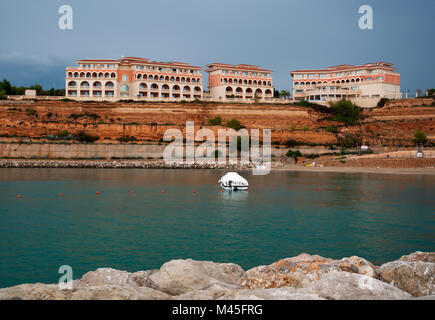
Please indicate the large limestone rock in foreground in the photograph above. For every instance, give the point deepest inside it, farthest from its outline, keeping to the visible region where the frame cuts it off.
(414, 273)
(304, 277)
(331, 286)
(302, 270)
(177, 277)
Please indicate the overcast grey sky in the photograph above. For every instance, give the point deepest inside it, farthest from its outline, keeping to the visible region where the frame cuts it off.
(281, 35)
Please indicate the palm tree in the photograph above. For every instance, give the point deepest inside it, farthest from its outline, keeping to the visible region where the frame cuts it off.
(285, 93)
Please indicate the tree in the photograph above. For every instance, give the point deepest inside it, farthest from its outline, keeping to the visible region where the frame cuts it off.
(276, 93)
(420, 137)
(36, 87)
(345, 111)
(6, 87)
(285, 94)
(234, 124)
(216, 121)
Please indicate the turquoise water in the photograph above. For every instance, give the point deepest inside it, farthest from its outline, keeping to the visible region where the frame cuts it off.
(118, 229)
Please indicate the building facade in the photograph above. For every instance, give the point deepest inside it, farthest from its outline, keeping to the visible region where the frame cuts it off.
(242, 81)
(371, 81)
(133, 78)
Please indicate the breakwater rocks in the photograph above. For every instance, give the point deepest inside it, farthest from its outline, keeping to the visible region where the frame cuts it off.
(304, 277)
(119, 164)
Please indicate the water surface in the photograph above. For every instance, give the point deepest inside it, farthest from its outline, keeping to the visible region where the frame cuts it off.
(140, 231)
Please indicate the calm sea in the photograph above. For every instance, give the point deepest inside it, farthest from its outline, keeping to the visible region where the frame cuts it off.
(140, 231)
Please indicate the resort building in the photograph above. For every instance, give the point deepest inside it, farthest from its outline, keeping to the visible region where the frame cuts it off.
(133, 78)
(242, 81)
(366, 84)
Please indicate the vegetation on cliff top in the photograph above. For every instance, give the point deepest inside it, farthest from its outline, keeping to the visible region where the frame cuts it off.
(345, 111)
(420, 137)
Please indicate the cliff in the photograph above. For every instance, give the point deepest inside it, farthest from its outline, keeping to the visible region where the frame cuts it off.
(393, 124)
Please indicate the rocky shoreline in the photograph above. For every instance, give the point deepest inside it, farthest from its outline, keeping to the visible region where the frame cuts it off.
(304, 277)
(117, 164)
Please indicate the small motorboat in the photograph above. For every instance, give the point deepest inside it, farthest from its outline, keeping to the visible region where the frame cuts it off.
(233, 181)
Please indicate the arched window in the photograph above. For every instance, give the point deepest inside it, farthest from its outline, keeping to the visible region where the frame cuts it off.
(245, 81)
(154, 86)
(177, 79)
(97, 84)
(69, 74)
(225, 80)
(85, 84)
(250, 82)
(139, 76)
(167, 78)
(100, 75)
(113, 75)
(197, 89)
(124, 88)
(268, 91)
(150, 77)
(172, 78)
(88, 75)
(72, 84)
(175, 88)
(188, 80)
(76, 74)
(165, 87)
(255, 82)
(229, 89)
(142, 86)
(230, 80)
(186, 89)
(94, 75)
(183, 79)
(82, 74)
(296, 83)
(193, 80)
(109, 84)
(162, 78)
(249, 91)
(106, 75)
(258, 92)
(156, 77)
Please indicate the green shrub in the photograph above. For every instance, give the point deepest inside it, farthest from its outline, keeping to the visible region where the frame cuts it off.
(345, 111)
(127, 139)
(291, 143)
(3, 96)
(420, 137)
(332, 129)
(306, 128)
(276, 143)
(216, 121)
(294, 154)
(349, 141)
(234, 124)
(86, 138)
(382, 102)
(303, 103)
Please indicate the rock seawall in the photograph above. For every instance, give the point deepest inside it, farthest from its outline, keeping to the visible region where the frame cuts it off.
(304, 277)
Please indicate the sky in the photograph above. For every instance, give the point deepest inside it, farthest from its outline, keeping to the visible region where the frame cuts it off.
(279, 35)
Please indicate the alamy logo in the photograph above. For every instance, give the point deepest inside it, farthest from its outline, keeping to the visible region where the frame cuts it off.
(66, 281)
(366, 20)
(234, 143)
(66, 20)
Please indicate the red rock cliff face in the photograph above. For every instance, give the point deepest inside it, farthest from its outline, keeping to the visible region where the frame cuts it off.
(147, 122)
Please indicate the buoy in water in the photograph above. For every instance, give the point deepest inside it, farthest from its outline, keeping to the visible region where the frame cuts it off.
(194, 191)
(132, 191)
(97, 193)
(60, 194)
(339, 188)
(163, 191)
(19, 196)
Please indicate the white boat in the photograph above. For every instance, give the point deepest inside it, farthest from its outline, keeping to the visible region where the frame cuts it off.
(233, 181)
